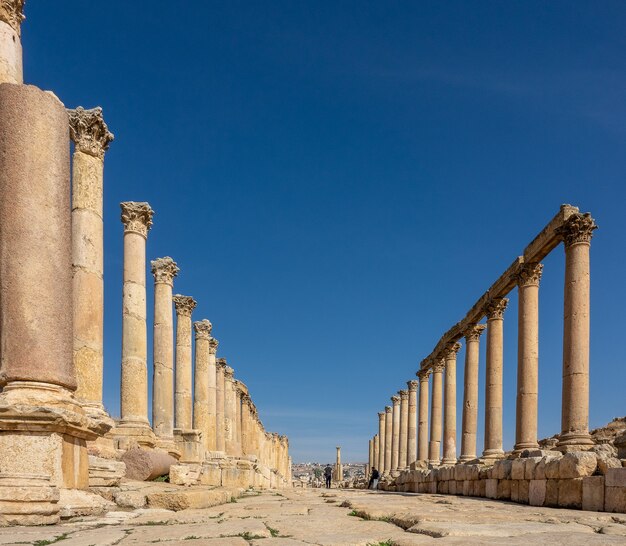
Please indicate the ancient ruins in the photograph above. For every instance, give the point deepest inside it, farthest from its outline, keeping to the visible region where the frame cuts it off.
(575, 472)
(56, 437)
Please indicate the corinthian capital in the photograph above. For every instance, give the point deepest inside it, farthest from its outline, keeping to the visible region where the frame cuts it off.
(395, 399)
(12, 13)
(495, 308)
(213, 343)
(474, 331)
(529, 274)
(184, 305)
(439, 365)
(424, 375)
(89, 131)
(412, 385)
(577, 229)
(229, 373)
(203, 329)
(164, 270)
(381, 415)
(136, 217)
(451, 350)
(221, 363)
(404, 395)
(387, 409)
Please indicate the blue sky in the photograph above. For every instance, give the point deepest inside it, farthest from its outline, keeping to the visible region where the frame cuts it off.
(340, 181)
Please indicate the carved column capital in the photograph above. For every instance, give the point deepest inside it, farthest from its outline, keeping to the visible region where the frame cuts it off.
(495, 308)
(412, 385)
(229, 373)
(451, 350)
(404, 394)
(381, 414)
(529, 274)
(439, 365)
(164, 270)
(89, 131)
(12, 13)
(213, 343)
(221, 363)
(473, 332)
(387, 409)
(423, 375)
(184, 305)
(203, 329)
(136, 217)
(577, 229)
(395, 399)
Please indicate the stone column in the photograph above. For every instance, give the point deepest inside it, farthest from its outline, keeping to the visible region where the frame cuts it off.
(527, 357)
(411, 451)
(220, 436)
(212, 402)
(449, 417)
(237, 417)
(375, 463)
(246, 421)
(422, 437)
(434, 447)
(577, 233)
(493, 393)
(381, 442)
(370, 456)
(11, 17)
(137, 220)
(338, 468)
(184, 404)
(164, 270)
(91, 138)
(470, 393)
(202, 329)
(388, 438)
(395, 432)
(404, 429)
(42, 424)
(229, 411)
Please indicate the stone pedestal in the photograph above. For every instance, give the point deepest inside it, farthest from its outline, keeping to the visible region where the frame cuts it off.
(449, 417)
(422, 443)
(11, 17)
(470, 392)
(434, 446)
(190, 445)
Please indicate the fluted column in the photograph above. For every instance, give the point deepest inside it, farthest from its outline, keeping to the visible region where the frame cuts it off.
(91, 138)
(11, 17)
(388, 438)
(422, 434)
(449, 416)
(184, 404)
(493, 391)
(577, 233)
(381, 442)
(411, 438)
(220, 436)
(229, 411)
(164, 271)
(202, 330)
(212, 402)
(470, 392)
(395, 434)
(434, 447)
(527, 357)
(137, 220)
(404, 429)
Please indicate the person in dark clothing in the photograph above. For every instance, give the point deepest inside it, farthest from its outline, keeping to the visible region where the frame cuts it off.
(374, 477)
(328, 474)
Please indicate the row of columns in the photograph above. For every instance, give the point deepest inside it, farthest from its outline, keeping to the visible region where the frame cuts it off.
(394, 447)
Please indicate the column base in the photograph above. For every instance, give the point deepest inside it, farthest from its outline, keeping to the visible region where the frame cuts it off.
(434, 462)
(190, 444)
(466, 459)
(522, 446)
(449, 461)
(129, 434)
(574, 441)
(493, 454)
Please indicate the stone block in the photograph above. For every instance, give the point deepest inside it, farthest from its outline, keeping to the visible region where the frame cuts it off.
(605, 462)
(444, 487)
(481, 489)
(105, 472)
(472, 472)
(130, 499)
(504, 490)
(459, 487)
(524, 486)
(515, 490)
(502, 469)
(433, 487)
(571, 493)
(74, 503)
(552, 469)
(616, 477)
(593, 493)
(467, 488)
(537, 492)
(552, 493)
(530, 466)
(577, 464)
(484, 472)
(491, 488)
(615, 499)
(518, 469)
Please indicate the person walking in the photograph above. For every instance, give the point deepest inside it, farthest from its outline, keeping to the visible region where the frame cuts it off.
(328, 474)
(374, 477)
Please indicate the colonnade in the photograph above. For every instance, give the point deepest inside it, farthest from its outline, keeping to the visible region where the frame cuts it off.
(432, 423)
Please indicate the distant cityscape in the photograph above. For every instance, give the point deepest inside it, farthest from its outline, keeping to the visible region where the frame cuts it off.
(313, 473)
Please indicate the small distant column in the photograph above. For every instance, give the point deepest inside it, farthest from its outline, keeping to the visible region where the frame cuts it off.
(370, 456)
(470, 393)
(338, 468)
(184, 403)
(493, 395)
(202, 330)
(229, 411)
(577, 233)
(434, 448)
(411, 451)
(395, 434)
(404, 428)
(11, 17)
(212, 403)
(449, 422)
(376, 458)
(388, 438)
(422, 444)
(381, 442)
(220, 435)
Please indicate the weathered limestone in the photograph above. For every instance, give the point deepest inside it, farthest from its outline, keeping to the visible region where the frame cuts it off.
(422, 445)
(434, 447)
(220, 435)
(202, 330)
(239, 389)
(576, 233)
(137, 220)
(388, 439)
(146, 464)
(376, 458)
(183, 402)
(44, 429)
(493, 383)
(211, 440)
(380, 461)
(470, 392)
(91, 138)
(338, 467)
(404, 429)
(370, 456)
(527, 357)
(395, 433)
(229, 411)
(411, 452)
(164, 270)
(11, 17)
(449, 417)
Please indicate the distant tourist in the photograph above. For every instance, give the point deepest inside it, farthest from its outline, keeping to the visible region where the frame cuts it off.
(328, 474)
(375, 476)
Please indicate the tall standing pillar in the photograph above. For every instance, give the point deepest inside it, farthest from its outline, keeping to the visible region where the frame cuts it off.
(91, 138)
(395, 432)
(11, 17)
(184, 308)
(137, 220)
(164, 270)
(434, 447)
(404, 429)
(411, 438)
(577, 233)
(220, 436)
(493, 393)
(370, 456)
(388, 438)
(527, 357)
(338, 468)
(375, 463)
(229, 411)
(449, 417)
(212, 403)
(381, 442)
(238, 391)
(202, 330)
(470, 393)
(422, 437)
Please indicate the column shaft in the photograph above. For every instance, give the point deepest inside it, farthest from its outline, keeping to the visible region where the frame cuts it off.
(422, 446)
(375, 463)
(411, 452)
(381, 442)
(184, 403)
(434, 447)
(229, 411)
(212, 402)
(11, 17)
(388, 438)
(470, 392)
(449, 422)
(201, 380)
(404, 429)
(395, 434)
(220, 436)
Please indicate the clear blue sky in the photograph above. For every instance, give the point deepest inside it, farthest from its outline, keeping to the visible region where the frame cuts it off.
(340, 181)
